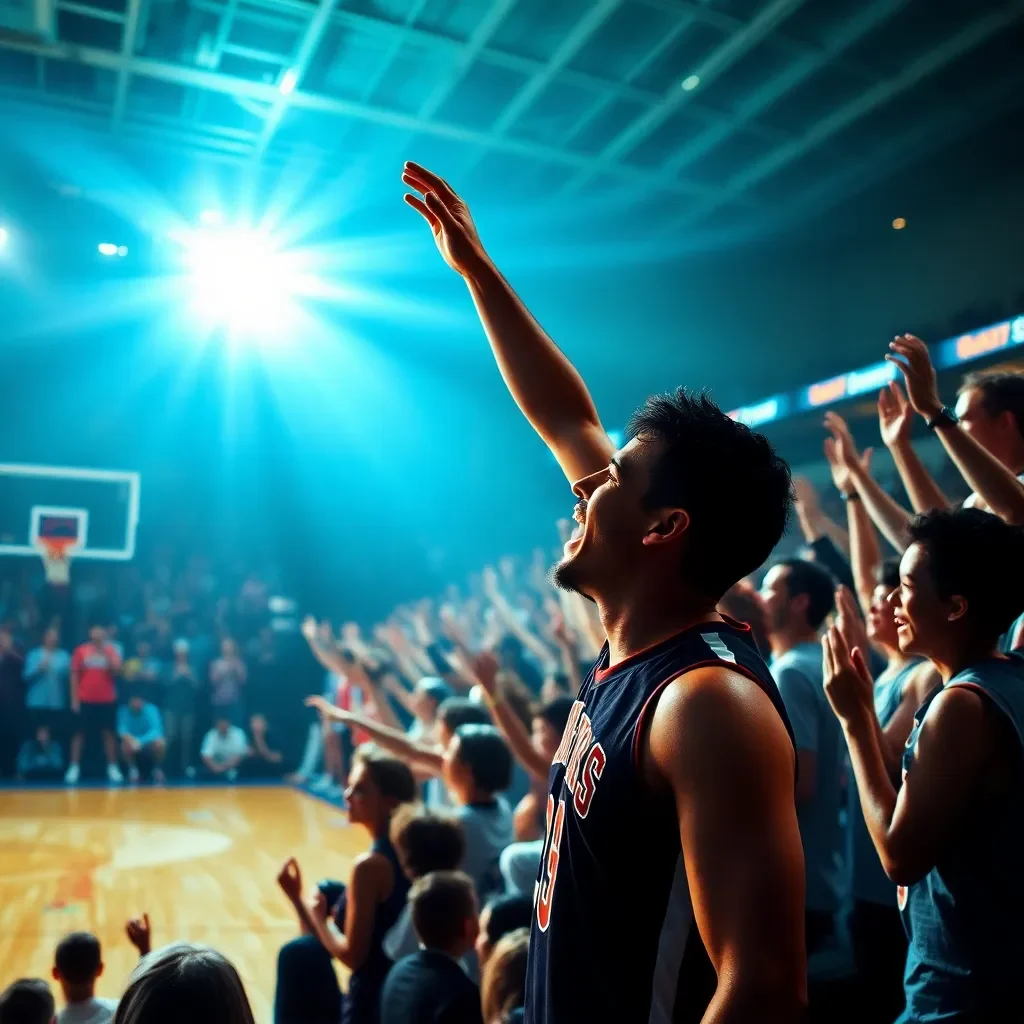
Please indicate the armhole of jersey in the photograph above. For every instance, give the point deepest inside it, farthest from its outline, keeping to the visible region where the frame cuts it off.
(638, 729)
(990, 699)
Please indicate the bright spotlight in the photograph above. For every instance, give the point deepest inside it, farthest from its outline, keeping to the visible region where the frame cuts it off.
(211, 218)
(289, 80)
(3, 237)
(239, 278)
(107, 249)
(691, 83)
(122, 250)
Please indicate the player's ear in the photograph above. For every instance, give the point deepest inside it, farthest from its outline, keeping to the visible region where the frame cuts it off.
(670, 525)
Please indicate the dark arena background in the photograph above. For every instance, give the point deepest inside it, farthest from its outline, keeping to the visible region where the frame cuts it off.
(253, 445)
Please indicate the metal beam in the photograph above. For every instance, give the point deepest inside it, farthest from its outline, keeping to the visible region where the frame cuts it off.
(912, 74)
(128, 34)
(304, 54)
(233, 86)
(866, 19)
(721, 58)
(371, 84)
(474, 46)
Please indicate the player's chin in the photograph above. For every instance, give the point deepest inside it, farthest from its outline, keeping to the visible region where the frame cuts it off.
(571, 574)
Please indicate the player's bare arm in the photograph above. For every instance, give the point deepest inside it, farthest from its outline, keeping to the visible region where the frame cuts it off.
(717, 742)
(545, 385)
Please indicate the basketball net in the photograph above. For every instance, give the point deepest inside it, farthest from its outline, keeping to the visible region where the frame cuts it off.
(56, 554)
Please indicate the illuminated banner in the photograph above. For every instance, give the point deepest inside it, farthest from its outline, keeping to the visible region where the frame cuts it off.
(951, 352)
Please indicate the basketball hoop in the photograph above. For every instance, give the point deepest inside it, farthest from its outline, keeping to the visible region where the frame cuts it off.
(56, 555)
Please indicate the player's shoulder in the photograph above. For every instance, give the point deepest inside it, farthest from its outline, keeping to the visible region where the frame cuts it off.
(706, 692)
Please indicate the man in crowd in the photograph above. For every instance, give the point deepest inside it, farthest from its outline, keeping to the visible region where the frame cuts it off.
(27, 1001)
(77, 966)
(224, 749)
(141, 732)
(94, 668)
(11, 702)
(798, 596)
(952, 836)
(47, 672)
(40, 758)
(678, 766)
(429, 986)
(228, 676)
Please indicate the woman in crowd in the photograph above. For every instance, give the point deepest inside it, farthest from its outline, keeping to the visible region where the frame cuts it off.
(504, 979)
(350, 927)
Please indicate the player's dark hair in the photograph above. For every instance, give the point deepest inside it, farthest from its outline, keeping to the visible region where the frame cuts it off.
(887, 574)
(390, 775)
(440, 904)
(1000, 392)
(816, 582)
(26, 1001)
(483, 751)
(507, 913)
(555, 712)
(426, 840)
(978, 556)
(458, 711)
(78, 958)
(183, 982)
(734, 486)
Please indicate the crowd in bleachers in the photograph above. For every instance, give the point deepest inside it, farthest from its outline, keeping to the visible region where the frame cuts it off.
(899, 687)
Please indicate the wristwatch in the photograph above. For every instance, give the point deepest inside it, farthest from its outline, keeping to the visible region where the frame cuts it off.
(945, 417)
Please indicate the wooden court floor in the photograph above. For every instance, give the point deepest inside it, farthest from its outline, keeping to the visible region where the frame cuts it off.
(201, 861)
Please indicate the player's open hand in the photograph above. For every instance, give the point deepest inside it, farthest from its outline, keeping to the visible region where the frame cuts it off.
(448, 217)
(895, 416)
(848, 684)
(140, 934)
(326, 709)
(910, 354)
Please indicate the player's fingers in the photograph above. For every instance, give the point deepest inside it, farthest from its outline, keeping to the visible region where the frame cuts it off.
(828, 663)
(435, 181)
(145, 921)
(417, 204)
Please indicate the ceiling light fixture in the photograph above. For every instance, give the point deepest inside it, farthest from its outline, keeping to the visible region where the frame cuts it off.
(691, 83)
(899, 224)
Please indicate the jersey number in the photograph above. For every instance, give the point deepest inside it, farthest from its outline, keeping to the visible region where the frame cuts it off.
(549, 861)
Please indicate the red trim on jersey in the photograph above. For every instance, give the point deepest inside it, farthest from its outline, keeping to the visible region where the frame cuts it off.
(741, 627)
(656, 692)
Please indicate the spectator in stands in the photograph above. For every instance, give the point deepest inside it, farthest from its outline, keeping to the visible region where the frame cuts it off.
(369, 907)
(183, 982)
(141, 732)
(503, 989)
(424, 841)
(225, 747)
(40, 758)
(77, 964)
(798, 596)
(263, 684)
(94, 668)
(146, 672)
(501, 915)
(27, 1001)
(429, 986)
(952, 836)
(180, 706)
(476, 767)
(12, 701)
(228, 676)
(47, 678)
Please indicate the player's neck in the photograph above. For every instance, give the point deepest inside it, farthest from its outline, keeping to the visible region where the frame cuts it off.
(635, 624)
(79, 993)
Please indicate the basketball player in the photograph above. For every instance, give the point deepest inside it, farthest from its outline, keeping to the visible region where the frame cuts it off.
(952, 836)
(671, 822)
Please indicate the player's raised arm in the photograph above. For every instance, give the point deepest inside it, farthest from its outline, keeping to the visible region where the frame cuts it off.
(545, 385)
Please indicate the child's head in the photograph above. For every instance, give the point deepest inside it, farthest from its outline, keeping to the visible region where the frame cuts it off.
(429, 695)
(456, 712)
(477, 763)
(426, 841)
(77, 964)
(27, 1001)
(548, 724)
(444, 912)
(43, 735)
(502, 915)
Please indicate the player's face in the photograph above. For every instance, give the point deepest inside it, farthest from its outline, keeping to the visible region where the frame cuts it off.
(880, 622)
(976, 420)
(97, 635)
(362, 796)
(922, 617)
(611, 522)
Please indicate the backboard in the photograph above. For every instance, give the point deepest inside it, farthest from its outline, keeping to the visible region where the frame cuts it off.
(98, 507)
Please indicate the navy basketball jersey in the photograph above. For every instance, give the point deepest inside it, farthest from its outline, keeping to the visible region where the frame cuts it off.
(613, 937)
(963, 919)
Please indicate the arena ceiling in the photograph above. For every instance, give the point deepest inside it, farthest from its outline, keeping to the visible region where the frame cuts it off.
(702, 111)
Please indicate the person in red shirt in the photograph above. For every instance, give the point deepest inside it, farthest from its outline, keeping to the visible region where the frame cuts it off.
(94, 668)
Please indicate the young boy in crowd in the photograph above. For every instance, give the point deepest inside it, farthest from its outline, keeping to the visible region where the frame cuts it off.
(77, 964)
(476, 766)
(27, 1001)
(425, 841)
(429, 987)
